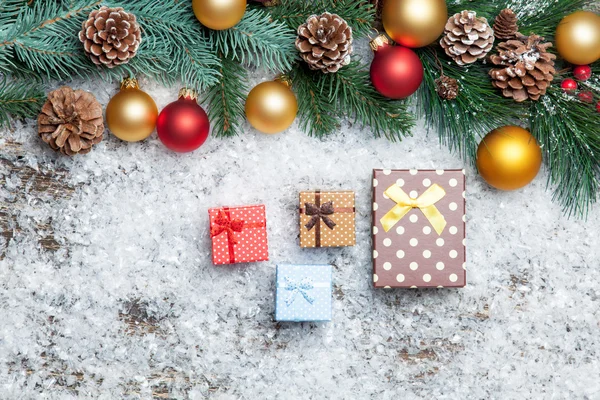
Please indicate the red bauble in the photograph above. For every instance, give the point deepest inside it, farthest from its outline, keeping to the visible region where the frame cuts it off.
(598, 106)
(569, 85)
(183, 125)
(582, 72)
(586, 97)
(396, 71)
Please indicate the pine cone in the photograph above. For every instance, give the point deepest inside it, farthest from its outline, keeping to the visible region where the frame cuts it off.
(526, 67)
(446, 87)
(71, 121)
(505, 25)
(110, 36)
(325, 42)
(467, 38)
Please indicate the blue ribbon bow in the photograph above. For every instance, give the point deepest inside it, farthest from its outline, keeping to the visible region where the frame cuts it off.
(301, 287)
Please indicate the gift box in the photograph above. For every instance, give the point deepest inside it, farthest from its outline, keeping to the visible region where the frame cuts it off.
(327, 219)
(239, 234)
(303, 293)
(419, 228)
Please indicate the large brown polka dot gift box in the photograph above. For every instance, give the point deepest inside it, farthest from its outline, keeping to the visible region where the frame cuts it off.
(419, 228)
(327, 219)
(239, 234)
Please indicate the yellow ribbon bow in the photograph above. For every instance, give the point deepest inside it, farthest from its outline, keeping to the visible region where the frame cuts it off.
(425, 202)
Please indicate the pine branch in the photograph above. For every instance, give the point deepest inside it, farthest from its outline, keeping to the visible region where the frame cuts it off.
(19, 99)
(226, 99)
(360, 15)
(257, 40)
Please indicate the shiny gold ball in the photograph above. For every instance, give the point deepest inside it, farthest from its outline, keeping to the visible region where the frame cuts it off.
(131, 114)
(414, 23)
(271, 107)
(578, 38)
(219, 14)
(509, 158)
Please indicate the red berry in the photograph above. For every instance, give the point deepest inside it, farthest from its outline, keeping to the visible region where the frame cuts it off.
(582, 72)
(569, 85)
(586, 96)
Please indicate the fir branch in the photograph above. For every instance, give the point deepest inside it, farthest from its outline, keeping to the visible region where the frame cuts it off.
(360, 15)
(257, 40)
(19, 99)
(226, 99)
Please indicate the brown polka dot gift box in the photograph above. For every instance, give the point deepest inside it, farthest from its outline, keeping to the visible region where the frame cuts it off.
(419, 228)
(239, 234)
(327, 219)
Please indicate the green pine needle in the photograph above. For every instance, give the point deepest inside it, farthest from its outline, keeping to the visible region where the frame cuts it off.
(19, 99)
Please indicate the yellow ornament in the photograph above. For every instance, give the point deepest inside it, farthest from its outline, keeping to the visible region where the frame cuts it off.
(219, 14)
(578, 38)
(414, 23)
(509, 158)
(131, 114)
(271, 107)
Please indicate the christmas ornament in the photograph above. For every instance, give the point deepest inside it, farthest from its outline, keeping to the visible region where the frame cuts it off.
(526, 67)
(509, 158)
(586, 96)
(582, 72)
(414, 23)
(183, 125)
(505, 25)
(396, 71)
(446, 87)
(467, 38)
(219, 15)
(578, 38)
(131, 114)
(71, 121)
(271, 107)
(325, 42)
(568, 85)
(598, 106)
(110, 36)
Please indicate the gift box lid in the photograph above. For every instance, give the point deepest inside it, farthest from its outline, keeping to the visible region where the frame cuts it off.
(303, 293)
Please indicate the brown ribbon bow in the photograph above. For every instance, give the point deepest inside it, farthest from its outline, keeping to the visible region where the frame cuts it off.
(322, 212)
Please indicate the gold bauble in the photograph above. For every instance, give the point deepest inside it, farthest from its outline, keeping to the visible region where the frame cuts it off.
(271, 107)
(509, 158)
(578, 38)
(414, 23)
(219, 14)
(131, 114)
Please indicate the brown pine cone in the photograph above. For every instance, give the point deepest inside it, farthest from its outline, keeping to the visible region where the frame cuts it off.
(526, 67)
(325, 42)
(446, 87)
(71, 121)
(110, 36)
(505, 25)
(467, 38)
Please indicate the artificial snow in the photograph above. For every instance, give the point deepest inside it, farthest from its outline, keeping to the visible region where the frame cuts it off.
(130, 306)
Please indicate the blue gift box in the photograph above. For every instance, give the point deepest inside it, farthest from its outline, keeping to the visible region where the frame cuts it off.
(303, 293)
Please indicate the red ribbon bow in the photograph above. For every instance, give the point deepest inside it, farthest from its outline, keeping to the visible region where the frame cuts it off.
(224, 223)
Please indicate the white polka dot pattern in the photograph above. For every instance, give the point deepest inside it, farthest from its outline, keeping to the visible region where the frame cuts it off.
(252, 243)
(344, 232)
(300, 309)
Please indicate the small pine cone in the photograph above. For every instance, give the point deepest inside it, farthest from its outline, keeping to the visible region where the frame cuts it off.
(325, 42)
(110, 36)
(525, 67)
(71, 121)
(467, 38)
(505, 25)
(446, 87)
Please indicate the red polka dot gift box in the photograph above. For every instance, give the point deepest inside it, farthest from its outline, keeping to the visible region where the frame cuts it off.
(419, 228)
(327, 219)
(239, 234)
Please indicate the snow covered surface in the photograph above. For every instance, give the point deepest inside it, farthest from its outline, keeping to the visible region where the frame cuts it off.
(130, 305)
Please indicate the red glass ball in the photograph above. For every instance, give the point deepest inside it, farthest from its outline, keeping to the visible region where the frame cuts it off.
(582, 72)
(586, 97)
(183, 125)
(396, 71)
(568, 85)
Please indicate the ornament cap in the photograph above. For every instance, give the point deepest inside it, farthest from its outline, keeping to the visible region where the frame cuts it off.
(189, 94)
(380, 41)
(285, 79)
(129, 83)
